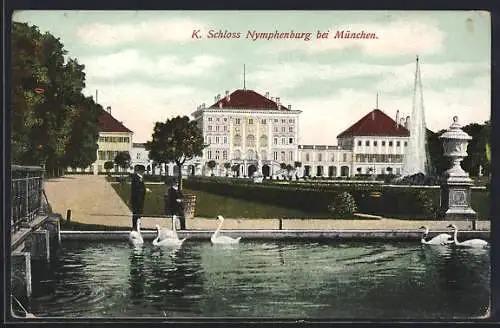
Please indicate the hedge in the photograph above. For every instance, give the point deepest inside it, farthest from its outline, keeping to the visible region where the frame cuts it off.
(315, 198)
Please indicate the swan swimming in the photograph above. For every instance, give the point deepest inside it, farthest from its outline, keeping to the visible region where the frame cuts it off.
(223, 240)
(467, 243)
(171, 239)
(135, 237)
(441, 239)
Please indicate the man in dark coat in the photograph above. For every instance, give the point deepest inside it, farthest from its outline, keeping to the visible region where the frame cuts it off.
(173, 204)
(138, 191)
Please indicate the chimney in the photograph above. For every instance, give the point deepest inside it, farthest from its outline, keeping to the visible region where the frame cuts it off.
(278, 102)
(272, 98)
(227, 93)
(267, 94)
(203, 105)
(402, 121)
(397, 118)
(289, 107)
(218, 96)
(109, 109)
(407, 122)
(220, 104)
(373, 115)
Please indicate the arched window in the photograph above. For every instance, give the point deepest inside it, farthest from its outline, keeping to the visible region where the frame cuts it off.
(250, 140)
(263, 141)
(250, 154)
(237, 140)
(237, 154)
(263, 155)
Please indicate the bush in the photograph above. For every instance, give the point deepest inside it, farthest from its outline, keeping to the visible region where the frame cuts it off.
(343, 205)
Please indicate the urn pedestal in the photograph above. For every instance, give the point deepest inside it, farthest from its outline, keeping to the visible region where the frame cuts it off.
(456, 185)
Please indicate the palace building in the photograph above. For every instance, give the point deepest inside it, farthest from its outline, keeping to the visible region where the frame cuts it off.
(245, 127)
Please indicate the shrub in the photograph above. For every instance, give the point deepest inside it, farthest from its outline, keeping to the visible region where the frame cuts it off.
(343, 205)
(425, 202)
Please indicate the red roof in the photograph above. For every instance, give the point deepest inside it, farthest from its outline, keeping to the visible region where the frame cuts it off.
(247, 99)
(376, 123)
(108, 123)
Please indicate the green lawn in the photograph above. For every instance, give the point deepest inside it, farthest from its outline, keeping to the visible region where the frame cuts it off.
(210, 205)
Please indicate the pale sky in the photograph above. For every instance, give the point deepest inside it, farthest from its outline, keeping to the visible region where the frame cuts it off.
(148, 68)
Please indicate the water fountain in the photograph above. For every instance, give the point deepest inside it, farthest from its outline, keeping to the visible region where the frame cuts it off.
(416, 166)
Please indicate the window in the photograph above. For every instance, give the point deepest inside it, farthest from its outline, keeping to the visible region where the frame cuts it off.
(209, 154)
(250, 155)
(290, 140)
(217, 119)
(345, 157)
(250, 141)
(225, 119)
(209, 128)
(238, 121)
(320, 157)
(283, 129)
(276, 129)
(263, 155)
(225, 140)
(307, 157)
(406, 143)
(225, 127)
(275, 141)
(290, 129)
(367, 142)
(275, 120)
(263, 141)
(390, 143)
(209, 140)
(237, 140)
(333, 158)
(283, 121)
(217, 154)
(237, 154)
(283, 141)
(217, 128)
(283, 156)
(250, 121)
(101, 139)
(291, 120)
(275, 155)
(359, 142)
(290, 156)
(375, 143)
(264, 122)
(398, 143)
(217, 140)
(102, 155)
(210, 119)
(224, 154)
(383, 143)
(138, 156)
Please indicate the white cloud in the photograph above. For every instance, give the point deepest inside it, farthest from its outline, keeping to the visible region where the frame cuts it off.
(399, 37)
(132, 61)
(281, 77)
(157, 31)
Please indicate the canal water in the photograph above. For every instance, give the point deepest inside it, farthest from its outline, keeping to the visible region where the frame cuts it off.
(258, 279)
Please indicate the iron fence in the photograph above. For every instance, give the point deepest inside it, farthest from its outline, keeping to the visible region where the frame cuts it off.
(27, 195)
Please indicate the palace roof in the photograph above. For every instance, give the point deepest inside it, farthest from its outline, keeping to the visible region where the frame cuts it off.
(375, 123)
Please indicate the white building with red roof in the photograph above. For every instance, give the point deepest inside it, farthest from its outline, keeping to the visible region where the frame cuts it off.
(375, 144)
(245, 127)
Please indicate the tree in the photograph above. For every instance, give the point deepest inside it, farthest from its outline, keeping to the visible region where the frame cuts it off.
(108, 166)
(122, 159)
(176, 140)
(289, 168)
(211, 165)
(227, 166)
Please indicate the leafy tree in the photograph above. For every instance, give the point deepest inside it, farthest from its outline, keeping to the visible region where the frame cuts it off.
(211, 165)
(176, 140)
(122, 159)
(227, 166)
(235, 168)
(289, 168)
(108, 166)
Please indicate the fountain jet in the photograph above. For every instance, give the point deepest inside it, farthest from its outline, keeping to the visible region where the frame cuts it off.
(416, 160)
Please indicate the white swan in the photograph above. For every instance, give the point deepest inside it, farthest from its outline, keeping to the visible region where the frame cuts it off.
(170, 240)
(135, 237)
(441, 239)
(224, 240)
(467, 243)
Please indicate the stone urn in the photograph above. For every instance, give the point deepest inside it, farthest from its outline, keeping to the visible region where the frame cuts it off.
(456, 185)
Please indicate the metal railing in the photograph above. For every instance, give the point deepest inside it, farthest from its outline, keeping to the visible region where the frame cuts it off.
(27, 195)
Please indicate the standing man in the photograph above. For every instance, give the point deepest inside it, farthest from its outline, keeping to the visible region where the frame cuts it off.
(173, 204)
(138, 191)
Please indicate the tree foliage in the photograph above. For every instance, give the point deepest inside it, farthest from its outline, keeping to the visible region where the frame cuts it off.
(176, 140)
(53, 123)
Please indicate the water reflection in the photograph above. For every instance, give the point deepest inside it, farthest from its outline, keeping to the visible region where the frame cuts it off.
(255, 279)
